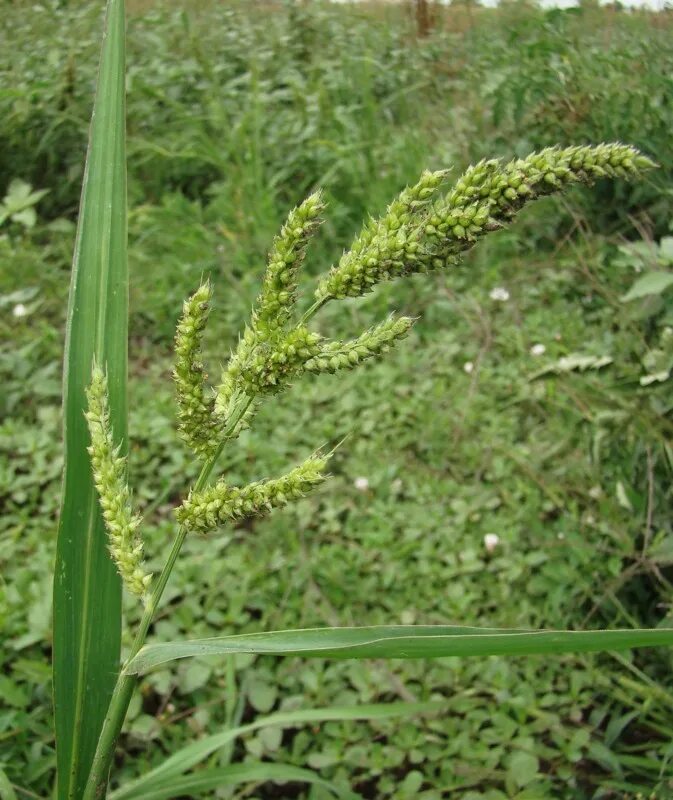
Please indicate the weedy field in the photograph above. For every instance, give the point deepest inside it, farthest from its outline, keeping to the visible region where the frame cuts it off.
(509, 465)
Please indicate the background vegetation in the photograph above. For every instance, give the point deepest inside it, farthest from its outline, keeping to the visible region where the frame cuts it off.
(531, 401)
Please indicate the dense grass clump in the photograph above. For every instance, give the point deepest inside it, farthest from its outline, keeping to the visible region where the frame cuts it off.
(514, 470)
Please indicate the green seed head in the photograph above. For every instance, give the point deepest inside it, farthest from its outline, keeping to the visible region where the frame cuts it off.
(197, 423)
(206, 510)
(278, 295)
(109, 474)
(335, 356)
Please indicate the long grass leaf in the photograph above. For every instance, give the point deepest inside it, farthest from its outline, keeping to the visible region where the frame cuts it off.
(401, 641)
(252, 772)
(191, 755)
(87, 591)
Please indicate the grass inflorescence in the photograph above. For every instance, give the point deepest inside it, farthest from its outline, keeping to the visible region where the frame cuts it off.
(494, 476)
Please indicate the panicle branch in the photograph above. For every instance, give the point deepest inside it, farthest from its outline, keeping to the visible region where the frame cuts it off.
(383, 246)
(231, 392)
(375, 341)
(245, 373)
(489, 195)
(206, 510)
(484, 199)
(197, 423)
(279, 290)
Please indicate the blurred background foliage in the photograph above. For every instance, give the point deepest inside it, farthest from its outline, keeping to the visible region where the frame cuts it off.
(532, 401)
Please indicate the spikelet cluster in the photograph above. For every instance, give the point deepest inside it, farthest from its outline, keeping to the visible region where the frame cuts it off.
(279, 290)
(423, 229)
(485, 198)
(375, 341)
(274, 363)
(386, 247)
(489, 195)
(204, 511)
(109, 473)
(197, 423)
(264, 360)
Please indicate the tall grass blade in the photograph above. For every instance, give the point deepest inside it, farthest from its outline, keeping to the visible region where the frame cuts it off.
(87, 590)
(209, 780)
(401, 641)
(184, 759)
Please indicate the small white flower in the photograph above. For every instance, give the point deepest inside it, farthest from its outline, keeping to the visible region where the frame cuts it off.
(468, 367)
(499, 293)
(361, 484)
(19, 310)
(560, 535)
(491, 541)
(538, 350)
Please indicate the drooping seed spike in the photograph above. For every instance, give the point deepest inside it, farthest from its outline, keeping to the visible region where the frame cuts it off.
(503, 190)
(217, 505)
(109, 474)
(375, 341)
(197, 423)
(486, 197)
(382, 241)
(279, 290)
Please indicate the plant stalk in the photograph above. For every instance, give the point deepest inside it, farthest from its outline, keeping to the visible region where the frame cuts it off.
(314, 309)
(96, 786)
(97, 782)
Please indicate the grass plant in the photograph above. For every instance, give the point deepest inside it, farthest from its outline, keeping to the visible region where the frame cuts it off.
(422, 230)
(578, 503)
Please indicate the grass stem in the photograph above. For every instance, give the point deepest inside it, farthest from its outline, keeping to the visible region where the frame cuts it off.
(96, 786)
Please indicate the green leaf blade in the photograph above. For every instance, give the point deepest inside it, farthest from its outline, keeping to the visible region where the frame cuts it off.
(87, 589)
(649, 283)
(402, 641)
(248, 772)
(6, 789)
(187, 757)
